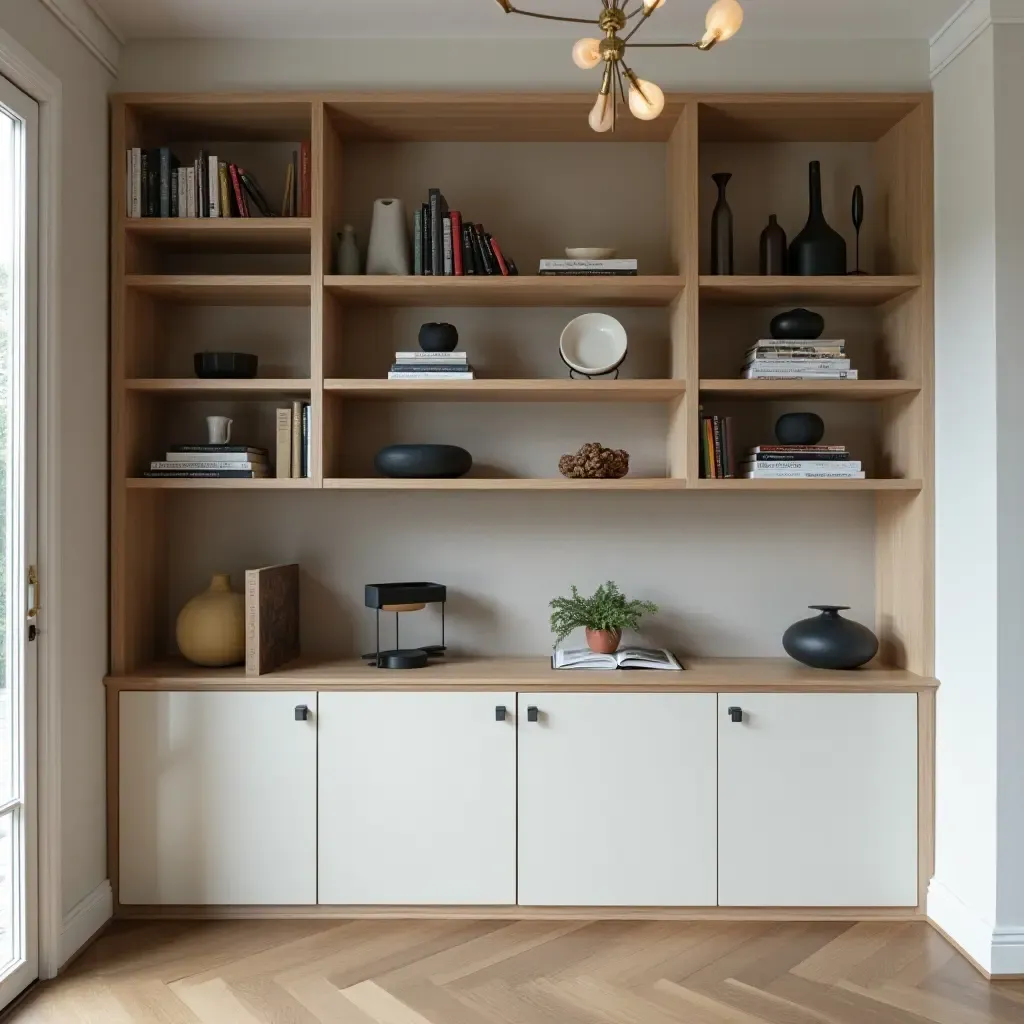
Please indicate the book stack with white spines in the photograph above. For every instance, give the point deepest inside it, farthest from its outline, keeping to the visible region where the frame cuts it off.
(801, 462)
(431, 366)
(211, 462)
(588, 268)
(821, 359)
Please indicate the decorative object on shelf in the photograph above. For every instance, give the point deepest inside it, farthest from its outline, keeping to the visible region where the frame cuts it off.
(219, 429)
(593, 345)
(404, 598)
(646, 101)
(225, 365)
(799, 428)
(438, 338)
(423, 461)
(797, 325)
(271, 618)
(590, 254)
(857, 212)
(818, 251)
(388, 252)
(346, 253)
(211, 628)
(772, 262)
(595, 462)
(830, 641)
(604, 615)
(721, 229)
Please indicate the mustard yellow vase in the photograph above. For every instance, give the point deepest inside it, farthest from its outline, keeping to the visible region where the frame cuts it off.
(211, 627)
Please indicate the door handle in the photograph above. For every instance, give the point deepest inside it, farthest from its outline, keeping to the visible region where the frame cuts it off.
(301, 713)
(533, 714)
(500, 713)
(736, 714)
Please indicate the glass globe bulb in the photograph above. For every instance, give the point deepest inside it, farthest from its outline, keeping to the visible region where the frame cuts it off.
(646, 100)
(652, 5)
(586, 54)
(602, 117)
(723, 21)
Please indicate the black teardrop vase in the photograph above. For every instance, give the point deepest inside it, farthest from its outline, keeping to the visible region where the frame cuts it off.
(817, 251)
(773, 248)
(830, 641)
(721, 229)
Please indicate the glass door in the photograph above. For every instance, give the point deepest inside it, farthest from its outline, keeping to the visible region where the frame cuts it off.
(19, 589)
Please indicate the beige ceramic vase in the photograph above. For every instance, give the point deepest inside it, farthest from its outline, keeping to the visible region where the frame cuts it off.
(604, 641)
(211, 627)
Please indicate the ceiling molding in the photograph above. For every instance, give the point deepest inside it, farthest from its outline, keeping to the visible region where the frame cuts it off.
(90, 27)
(973, 18)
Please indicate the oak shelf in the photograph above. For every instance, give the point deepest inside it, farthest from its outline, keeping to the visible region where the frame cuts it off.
(236, 234)
(851, 290)
(541, 390)
(141, 483)
(740, 485)
(627, 485)
(225, 289)
(185, 387)
(833, 390)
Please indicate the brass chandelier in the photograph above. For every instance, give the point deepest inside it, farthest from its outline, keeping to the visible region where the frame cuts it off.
(645, 100)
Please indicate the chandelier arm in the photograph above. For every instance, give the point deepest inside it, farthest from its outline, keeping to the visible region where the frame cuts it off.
(622, 87)
(640, 24)
(695, 46)
(548, 17)
(632, 14)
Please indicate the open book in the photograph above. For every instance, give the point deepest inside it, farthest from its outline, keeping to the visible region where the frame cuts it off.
(627, 657)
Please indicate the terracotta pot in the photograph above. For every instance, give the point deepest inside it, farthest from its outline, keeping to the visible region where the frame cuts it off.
(211, 627)
(604, 641)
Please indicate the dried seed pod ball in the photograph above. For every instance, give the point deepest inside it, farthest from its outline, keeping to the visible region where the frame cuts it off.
(595, 462)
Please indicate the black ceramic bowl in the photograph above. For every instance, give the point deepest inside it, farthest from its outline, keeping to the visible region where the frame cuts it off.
(425, 461)
(225, 365)
(800, 428)
(438, 338)
(798, 325)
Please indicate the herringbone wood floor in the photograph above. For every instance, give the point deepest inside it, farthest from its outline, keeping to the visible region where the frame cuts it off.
(487, 972)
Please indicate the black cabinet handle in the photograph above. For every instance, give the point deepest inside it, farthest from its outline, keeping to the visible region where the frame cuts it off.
(302, 713)
(500, 714)
(736, 714)
(533, 714)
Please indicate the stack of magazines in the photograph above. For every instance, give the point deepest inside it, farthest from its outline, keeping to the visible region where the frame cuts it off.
(211, 462)
(434, 366)
(588, 268)
(773, 359)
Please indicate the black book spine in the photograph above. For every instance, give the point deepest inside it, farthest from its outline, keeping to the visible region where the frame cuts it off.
(468, 263)
(174, 191)
(481, 246)
(203, 184)
(513, 270)
(716, 429)
(436, 267)
(165, 182)
(144, 183)
(827, 457)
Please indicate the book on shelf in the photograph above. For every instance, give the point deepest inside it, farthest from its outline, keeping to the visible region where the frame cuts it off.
(716, 448)
(438, 208)
(305, 180)
(254, 192)
(297, 468)
(447, 251)
(421, 375)
(307, 440)
(823, 474)
(458, 267)
(752, 374)
(786, 449)
(210, 465)
(283, 447)
(625, 658)
(420, 367)
(417, 243)
(217, 474)
(798, 344)
(271, 618)
(446, 244)
(795, 354)
(588, 268)
(802, 466)
(432, 357)
(799, 365)
(773, 458)
(211, 450)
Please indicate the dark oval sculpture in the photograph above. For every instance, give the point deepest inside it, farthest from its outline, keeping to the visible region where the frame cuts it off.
(800, 428)
(423, 461)
(798, 325)
(830, 641)
(438, 338)
(225, 365)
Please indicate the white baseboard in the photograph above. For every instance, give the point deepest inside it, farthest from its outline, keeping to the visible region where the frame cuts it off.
(998, 950)
(85, 919)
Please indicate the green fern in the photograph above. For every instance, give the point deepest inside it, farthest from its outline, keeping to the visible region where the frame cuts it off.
(606, 609)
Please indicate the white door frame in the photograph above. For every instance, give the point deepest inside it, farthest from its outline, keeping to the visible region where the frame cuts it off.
(24, 71)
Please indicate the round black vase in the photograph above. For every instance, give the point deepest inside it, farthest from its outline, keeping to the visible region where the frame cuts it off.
(423, 461)
(798, 325)
(721, 229)
(800, 428)
(818, 251)
(772, 251)
(438, 338)
(830, 641)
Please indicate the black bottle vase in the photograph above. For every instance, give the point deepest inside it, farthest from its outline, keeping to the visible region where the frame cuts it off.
(721, 229)
(817, 251)
(830, 641)
(773, 248)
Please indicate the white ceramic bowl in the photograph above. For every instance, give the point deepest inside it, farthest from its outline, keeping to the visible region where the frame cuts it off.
(593, 343)
(590, 254)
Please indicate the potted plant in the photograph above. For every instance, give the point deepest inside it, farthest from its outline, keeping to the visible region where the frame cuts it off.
(604, 615)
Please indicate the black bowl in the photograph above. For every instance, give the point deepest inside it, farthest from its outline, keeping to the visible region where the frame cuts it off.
(438, 338)
(800, 428)
(427, 461)
(225, 365)
(798, 325)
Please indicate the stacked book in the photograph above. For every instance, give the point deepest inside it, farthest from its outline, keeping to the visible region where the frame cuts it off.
(771, 359)
(158, 185)
(435, 366)
(588, 268)
(211, 462)
(801, 462)
(716, 448)
(294, 441)
(446, 245)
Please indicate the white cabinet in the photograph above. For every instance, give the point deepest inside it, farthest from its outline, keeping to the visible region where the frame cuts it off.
(817, 800)
(617, 799)
(217, 798)
(417, 795)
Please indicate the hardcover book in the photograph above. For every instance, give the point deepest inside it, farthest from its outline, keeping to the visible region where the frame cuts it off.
(271, 618)
(283, 463)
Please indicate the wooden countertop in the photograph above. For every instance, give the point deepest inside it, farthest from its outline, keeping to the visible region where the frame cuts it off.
(532, 675)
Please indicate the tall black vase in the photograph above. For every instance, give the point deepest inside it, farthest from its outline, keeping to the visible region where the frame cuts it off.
(721, 229)
(818, 250)
(773, 248)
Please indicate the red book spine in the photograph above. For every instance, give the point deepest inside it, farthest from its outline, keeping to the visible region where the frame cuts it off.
(497, 255)
(305, 182)
(236, 185)
(457, 269)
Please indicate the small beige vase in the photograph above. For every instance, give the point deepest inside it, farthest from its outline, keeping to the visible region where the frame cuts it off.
(211, 627)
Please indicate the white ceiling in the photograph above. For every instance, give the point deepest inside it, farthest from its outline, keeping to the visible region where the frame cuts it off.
(481, 19)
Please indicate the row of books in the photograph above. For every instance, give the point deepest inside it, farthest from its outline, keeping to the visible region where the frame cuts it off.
(158, 185)
(431, 366)
(588, 268)
(716, 448)
(771, 359)
(293, 441)
(445, 245)
(211, 462)
(801, 462)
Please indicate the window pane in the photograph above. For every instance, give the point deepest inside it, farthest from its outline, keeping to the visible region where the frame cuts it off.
(9, 240)
(7, 888)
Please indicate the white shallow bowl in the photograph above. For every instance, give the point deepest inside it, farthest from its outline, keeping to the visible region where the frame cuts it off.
(590, 254)
(593, 343)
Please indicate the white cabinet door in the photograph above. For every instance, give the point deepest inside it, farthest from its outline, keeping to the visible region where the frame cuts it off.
(817, 800)
(617, 799)
(217, 798)
(417, 798)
